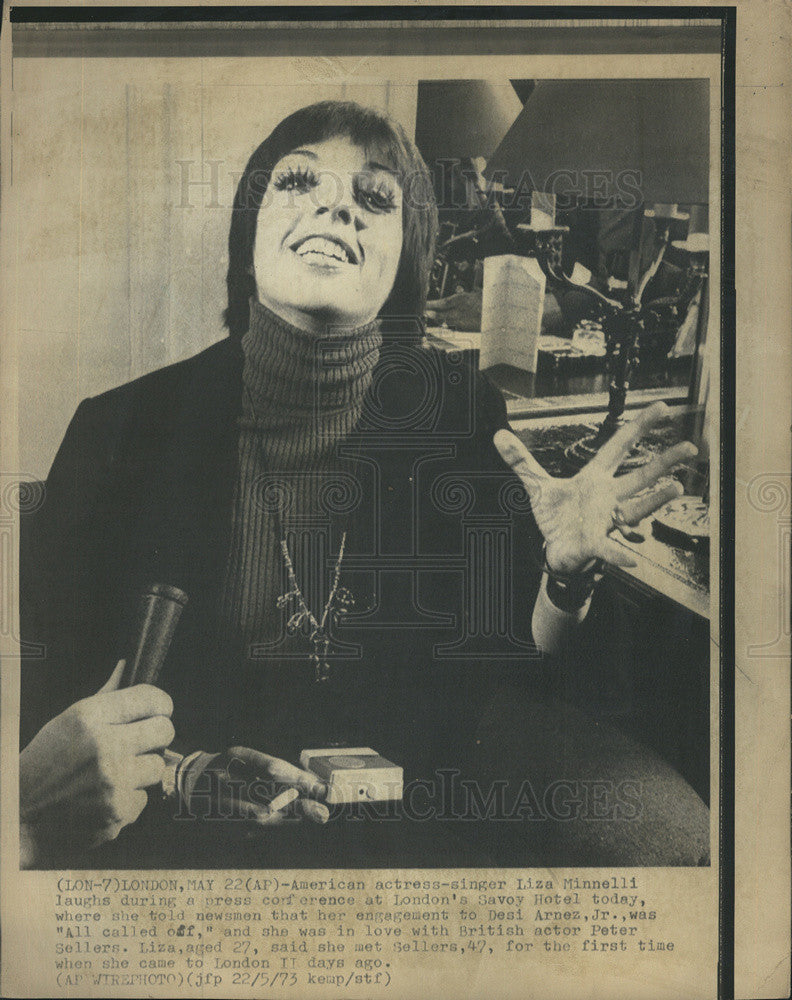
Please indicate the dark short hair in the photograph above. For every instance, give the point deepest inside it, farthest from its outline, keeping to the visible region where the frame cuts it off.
(384, 141)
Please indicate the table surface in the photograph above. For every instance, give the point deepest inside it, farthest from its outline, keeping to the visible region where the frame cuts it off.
(570, 391)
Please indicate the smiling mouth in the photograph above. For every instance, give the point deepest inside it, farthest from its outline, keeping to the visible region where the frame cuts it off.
(323, 249)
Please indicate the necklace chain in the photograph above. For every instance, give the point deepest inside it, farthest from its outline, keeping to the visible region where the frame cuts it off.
(338, 603)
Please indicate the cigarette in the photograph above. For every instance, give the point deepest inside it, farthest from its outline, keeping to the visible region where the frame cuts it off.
(284, 799)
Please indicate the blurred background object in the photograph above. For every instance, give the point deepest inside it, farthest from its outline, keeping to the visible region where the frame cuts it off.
(458, 119)
(601, 173)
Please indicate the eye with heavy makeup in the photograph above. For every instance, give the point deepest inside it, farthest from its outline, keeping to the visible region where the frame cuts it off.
(374, 190)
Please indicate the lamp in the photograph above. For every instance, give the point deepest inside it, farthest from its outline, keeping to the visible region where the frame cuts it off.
(620, 143)
(458, 125)
(463, 119)
(610, 140)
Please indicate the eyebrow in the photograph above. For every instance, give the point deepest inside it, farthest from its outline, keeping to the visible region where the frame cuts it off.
(370, 164)
(381, 166)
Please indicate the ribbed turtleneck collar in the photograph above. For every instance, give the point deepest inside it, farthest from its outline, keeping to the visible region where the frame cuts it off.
(290, 370)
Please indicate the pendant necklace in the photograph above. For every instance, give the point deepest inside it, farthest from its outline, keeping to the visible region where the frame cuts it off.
(338, 604)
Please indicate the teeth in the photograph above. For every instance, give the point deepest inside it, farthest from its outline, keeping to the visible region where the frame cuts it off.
(318, 244)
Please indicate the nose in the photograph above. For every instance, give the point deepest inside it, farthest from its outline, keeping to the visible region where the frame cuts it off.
(335, 197)
(342, 213)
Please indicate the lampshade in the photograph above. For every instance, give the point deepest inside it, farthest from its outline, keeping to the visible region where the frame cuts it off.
(643, 140)
(463, 118)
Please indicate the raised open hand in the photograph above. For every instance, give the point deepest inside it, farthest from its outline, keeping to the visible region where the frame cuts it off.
(576, 515)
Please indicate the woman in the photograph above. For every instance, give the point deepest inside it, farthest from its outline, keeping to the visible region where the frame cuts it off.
(318, 462)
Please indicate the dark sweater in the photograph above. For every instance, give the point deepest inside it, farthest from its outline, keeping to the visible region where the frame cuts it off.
(439, 557)
(143, 490)
(301, 397)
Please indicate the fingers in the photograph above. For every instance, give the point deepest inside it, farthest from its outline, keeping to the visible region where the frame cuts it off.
(441, 305)
(660, 465)
(306, 809)
(265, 766)
(638, 508)
(304, 781)
(313, 811)
(615, 554)
(461, 311)
(146, 770)
(154, 733)
(131, 704)
(288, 807)
(614, 451)
(252, 811)
(113, 681)
(438, 308)
(262, 815)
(251, 802)
(516, 455)
(109, 832)
(126, 806)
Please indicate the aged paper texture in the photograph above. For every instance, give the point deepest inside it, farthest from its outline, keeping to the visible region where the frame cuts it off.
(564, 839)
(762, 505)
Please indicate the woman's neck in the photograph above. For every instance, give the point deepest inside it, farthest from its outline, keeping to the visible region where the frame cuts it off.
(292, 370)
(319, 323)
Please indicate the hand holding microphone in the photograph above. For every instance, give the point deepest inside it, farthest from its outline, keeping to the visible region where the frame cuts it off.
(239, 783)
(82, 778)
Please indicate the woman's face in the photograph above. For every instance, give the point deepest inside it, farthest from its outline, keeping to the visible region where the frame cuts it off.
(329, 236)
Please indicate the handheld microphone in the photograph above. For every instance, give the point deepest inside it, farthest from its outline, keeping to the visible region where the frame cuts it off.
(158, 612)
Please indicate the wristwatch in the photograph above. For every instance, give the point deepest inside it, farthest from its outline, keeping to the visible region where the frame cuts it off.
(569, 591)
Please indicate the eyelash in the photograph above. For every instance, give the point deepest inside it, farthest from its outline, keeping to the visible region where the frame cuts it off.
(296, 179)
(377, 199)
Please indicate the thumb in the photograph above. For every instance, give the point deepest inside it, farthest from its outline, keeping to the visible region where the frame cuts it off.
(113, 682)
(516, 455)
